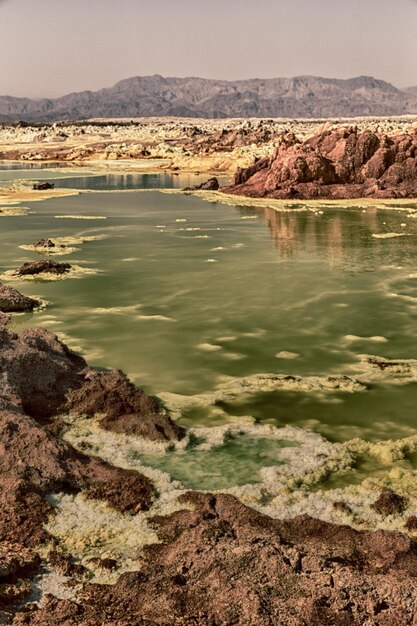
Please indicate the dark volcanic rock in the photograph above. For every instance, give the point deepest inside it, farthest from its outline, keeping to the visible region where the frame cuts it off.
(110, 393)
(44, 243)
(389, 503)
(43, 186)
(212, 184)
(224, 564)
(42, 267)
(38, 375)
(127, 409)
(43, 378)
(342, 163)
(63, 563)
(17, 564)
(37, 372)
(411, 523)
(5, 318)
(154, 427)
(12, 300)
(34, 463)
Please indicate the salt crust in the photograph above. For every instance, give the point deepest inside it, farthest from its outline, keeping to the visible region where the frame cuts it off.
(230, 389)
(388, 235)
(80, 217)
(293, 487)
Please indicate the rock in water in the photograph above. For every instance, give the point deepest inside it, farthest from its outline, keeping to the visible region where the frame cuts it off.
(12, 301)
(44, 243)
(32, 268)
(212, 184)
(341, 163)
(43, 186)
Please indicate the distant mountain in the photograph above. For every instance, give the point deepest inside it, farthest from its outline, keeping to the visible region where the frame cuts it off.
(143, 96)
(411, 91)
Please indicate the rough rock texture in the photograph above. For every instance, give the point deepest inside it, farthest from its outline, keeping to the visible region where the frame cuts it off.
(127, 409)
(5, 318)
(341, 163)
(224, 564)
(12, 300)
(42, 377)
(38, 374)
(34, 462)
(389, 503)
(43, 267)
(17, 564)
(154, 427)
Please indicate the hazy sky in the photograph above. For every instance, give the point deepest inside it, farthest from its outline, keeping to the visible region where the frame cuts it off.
(52, 47)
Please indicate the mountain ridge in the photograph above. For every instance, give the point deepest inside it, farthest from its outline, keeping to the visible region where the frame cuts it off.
(152, 96)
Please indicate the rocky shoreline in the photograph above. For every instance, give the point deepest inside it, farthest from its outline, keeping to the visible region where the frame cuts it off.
(210, 559)
(216, 560)
(271, 159)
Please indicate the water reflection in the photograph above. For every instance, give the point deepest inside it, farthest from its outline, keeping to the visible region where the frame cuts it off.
(160, 180)
(339, 234)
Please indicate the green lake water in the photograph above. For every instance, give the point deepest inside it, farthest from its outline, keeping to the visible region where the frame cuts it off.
(189, 291)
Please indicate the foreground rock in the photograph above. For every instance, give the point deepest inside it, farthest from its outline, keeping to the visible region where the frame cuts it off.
(12, 301)
(40, 381)
(32, 268)
(223, 564)
(38, 374)
(126, 408)
(218, 564)
(42, 378)
(338, 163)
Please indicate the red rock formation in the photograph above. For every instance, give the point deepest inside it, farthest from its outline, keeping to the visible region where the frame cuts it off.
(342, 163)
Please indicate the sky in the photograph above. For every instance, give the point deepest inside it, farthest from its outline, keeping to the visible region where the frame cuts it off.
(49, 48)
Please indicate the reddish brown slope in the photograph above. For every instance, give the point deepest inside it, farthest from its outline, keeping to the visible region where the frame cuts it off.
(342, 163)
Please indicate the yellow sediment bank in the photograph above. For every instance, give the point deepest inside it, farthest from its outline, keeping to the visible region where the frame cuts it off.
(10, 196)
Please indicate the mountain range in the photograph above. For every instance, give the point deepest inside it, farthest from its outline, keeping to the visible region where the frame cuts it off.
(145, 96)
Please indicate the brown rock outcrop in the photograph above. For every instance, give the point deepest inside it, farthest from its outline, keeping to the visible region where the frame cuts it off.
(341, 163)
(12, 300)
(40, 379)
(32, 268)
(38, 374)
(224, 563)
(17, 564)
(43, 378)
